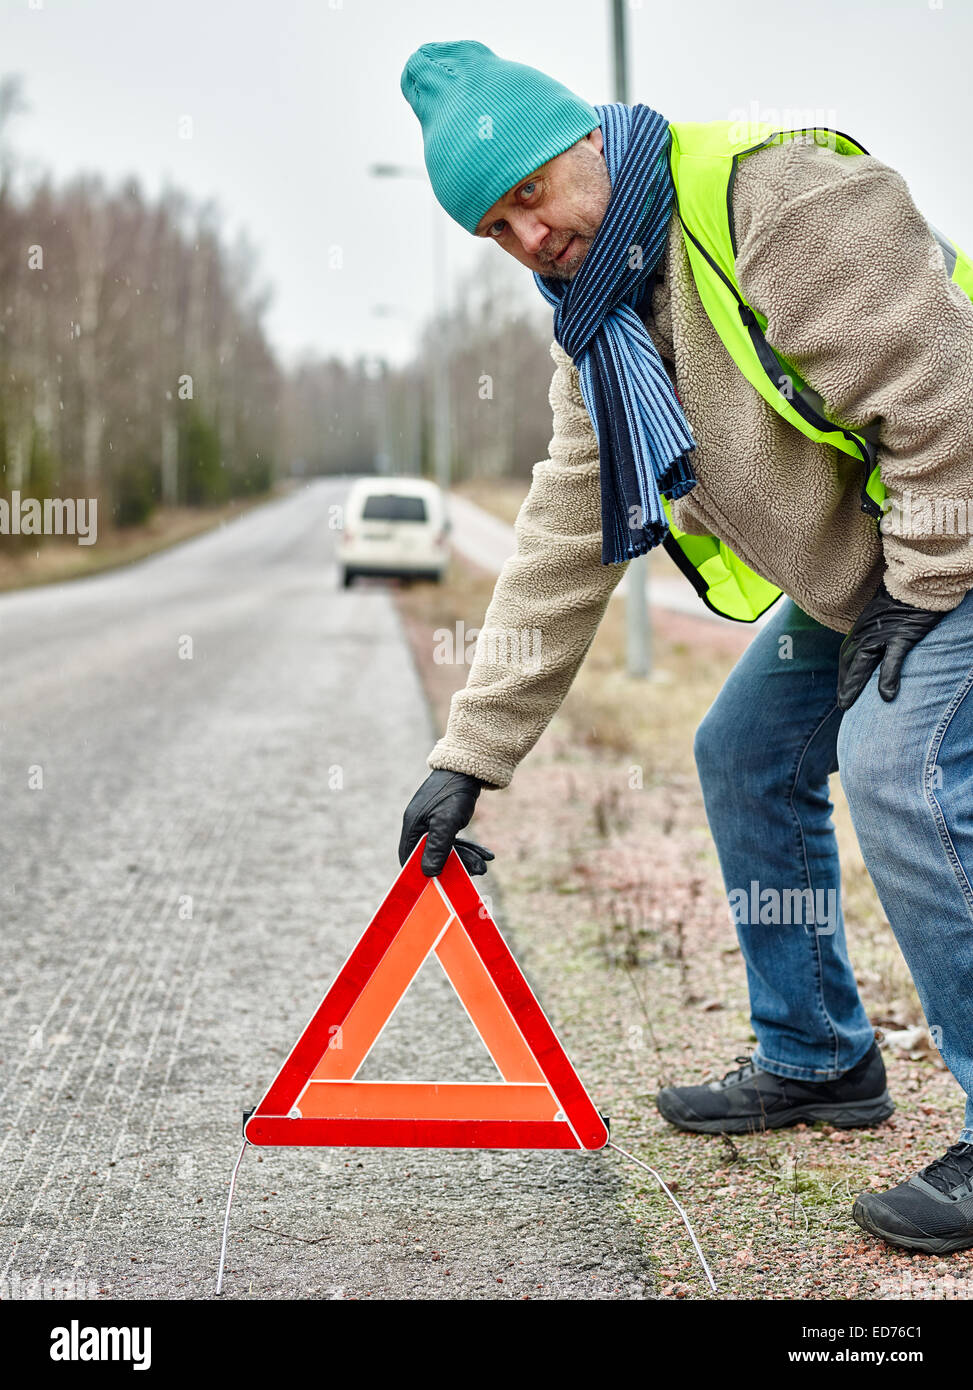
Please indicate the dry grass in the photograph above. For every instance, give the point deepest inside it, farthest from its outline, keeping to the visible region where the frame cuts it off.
(501, 496)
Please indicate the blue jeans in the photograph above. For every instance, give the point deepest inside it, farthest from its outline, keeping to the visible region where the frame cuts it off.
(764, 752)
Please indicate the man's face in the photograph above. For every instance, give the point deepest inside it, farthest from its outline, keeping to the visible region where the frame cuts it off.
(548, 220)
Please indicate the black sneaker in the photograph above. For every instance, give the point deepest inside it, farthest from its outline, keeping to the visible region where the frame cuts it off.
(749, 1099)
(932, 1211)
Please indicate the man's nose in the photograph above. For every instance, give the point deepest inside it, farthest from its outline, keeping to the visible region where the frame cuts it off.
(529, 230)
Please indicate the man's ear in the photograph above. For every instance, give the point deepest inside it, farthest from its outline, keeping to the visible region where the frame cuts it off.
(595, 137)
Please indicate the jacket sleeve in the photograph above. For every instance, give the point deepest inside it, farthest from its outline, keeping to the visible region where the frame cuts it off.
(833, 250)
(548, 601)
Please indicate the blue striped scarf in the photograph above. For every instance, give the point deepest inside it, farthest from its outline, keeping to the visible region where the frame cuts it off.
(643, 436)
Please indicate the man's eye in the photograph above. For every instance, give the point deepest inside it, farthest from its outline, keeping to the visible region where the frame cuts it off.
(528, 189)
(496, 228)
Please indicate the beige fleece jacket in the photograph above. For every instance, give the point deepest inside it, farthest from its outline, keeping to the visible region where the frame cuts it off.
(833, 251)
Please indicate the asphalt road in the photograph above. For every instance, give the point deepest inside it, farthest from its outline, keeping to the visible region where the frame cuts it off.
(182, 876)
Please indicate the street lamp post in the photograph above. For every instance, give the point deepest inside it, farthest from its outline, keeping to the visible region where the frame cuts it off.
(377, 371)
(442, 404)
(408, 459)
(442, 409)
(638, 623)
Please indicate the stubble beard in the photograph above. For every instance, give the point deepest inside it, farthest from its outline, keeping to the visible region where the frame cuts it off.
(594, 190)
(567, 270)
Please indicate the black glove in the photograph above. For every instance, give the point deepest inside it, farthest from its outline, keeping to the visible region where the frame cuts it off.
(886, 629)
(442, 805)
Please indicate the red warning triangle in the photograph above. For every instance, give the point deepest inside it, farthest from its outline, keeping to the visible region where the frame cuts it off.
(538, 1104)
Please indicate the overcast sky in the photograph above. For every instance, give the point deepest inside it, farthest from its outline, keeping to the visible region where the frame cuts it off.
(291, 100)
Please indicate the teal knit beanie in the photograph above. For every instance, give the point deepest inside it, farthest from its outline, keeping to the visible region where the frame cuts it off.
(487, 123)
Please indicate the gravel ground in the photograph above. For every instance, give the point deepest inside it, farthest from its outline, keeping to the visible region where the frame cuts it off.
(177, 896)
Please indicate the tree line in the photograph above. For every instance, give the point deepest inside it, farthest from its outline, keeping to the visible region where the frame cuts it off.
(345, 416)
(135, 367)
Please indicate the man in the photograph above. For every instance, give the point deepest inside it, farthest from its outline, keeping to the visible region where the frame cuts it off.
(665, 430)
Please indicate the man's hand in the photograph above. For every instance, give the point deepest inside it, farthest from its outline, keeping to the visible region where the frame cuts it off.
(442, 805)
(886, 629)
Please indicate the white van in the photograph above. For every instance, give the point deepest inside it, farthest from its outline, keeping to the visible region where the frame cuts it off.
(394, 527)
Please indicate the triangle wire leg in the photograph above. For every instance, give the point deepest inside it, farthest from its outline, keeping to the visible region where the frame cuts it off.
(675, 1203)
(226, 1219)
